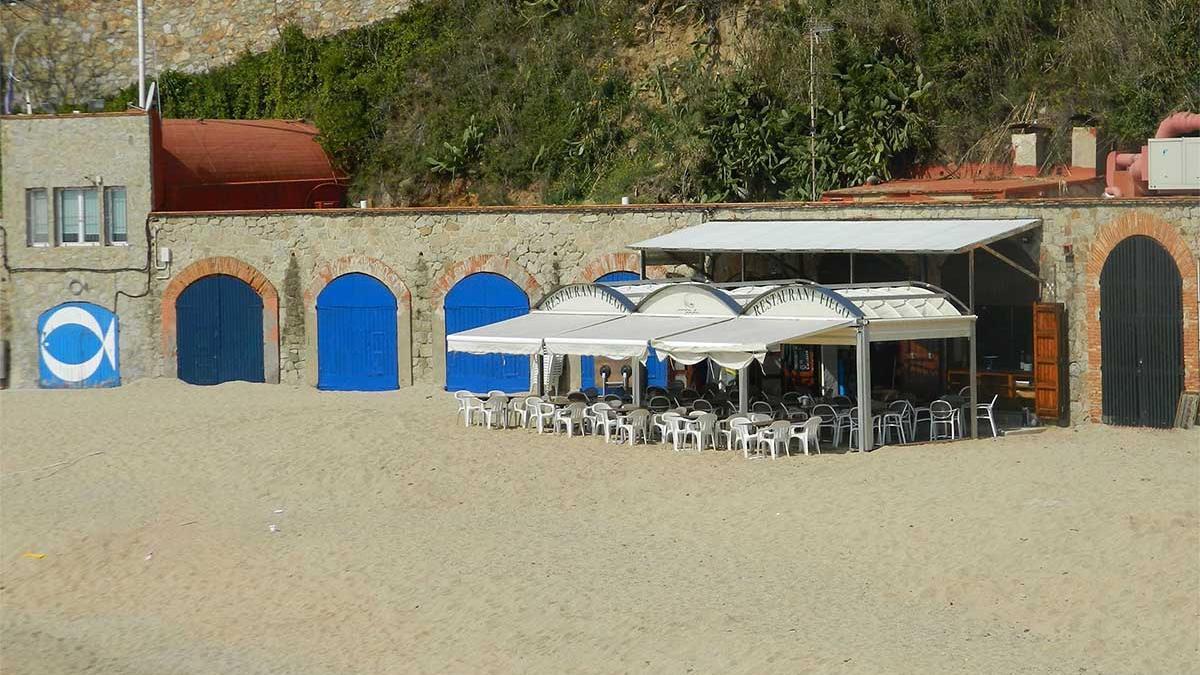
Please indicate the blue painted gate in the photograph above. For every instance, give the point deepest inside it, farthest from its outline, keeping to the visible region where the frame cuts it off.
(77, 347)
(656, 371)
(219, 331)
(356, 335)
(478, 300)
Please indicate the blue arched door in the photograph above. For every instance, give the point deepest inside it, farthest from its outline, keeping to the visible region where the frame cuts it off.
(219, 331)
(356, 335)
(478, 300)
(656, 371)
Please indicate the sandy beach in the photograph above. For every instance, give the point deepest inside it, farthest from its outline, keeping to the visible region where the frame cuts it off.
(136, 537)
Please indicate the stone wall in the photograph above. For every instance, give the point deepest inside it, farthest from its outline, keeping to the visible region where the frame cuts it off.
(43, 152)
(76, 50)
(421, 253)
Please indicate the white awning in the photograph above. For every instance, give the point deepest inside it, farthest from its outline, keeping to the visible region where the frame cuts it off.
(625, 338)
(522, 334)
(737, 342)
(839, 236)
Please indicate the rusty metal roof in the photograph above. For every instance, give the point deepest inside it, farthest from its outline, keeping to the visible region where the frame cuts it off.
(226, 152)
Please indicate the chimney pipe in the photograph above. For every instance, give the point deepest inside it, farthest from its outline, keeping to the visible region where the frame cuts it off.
(1028, 148)
(1086, 158)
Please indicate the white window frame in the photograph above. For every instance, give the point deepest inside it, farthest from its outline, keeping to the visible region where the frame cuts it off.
(82, 218)
(49, 219)
(105, 230)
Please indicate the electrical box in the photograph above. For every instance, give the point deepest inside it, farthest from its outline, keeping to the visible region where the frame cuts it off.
(1174, 164)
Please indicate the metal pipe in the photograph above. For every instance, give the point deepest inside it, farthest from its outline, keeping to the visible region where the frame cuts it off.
(971, 280)
(744, 390)
(862, 350)
(141, 37)
(636, 368)
(974, 384)
(812, 113)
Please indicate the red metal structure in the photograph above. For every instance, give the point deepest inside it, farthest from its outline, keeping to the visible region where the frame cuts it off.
(226, 165)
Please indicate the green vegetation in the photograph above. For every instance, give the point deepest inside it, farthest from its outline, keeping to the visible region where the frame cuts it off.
(564, 101)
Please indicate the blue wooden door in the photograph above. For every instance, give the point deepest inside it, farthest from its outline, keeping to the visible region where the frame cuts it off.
(478, 300)
(356, 335)
(587, 364)
(219, 331)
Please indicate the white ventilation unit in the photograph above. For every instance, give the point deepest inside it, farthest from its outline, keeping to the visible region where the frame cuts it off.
(1174, 164)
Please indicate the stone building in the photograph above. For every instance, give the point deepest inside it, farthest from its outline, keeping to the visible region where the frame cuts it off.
(289, 258)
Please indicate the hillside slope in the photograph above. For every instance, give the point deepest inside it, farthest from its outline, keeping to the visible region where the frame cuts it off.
(564, 101)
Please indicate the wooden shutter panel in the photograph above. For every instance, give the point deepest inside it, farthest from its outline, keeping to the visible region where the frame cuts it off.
(1050, 362)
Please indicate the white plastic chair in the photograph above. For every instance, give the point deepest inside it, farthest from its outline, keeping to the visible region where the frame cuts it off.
(829, 420)
(893, 421)
(570, 417)
(495, 411)
(942, 416)
(665, 425)
(808, 432)
(985, 411)
(635, 423)
(702, 428)
(541, 413)
(521, 408)
(776, 437)
(763, 407)
(726, 429)
(745, 436)
(604, 420)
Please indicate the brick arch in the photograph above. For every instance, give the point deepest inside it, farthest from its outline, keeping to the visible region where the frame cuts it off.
(618, 262)
(497, 264)
(234, 268)
(1167, 235)
(326, 272)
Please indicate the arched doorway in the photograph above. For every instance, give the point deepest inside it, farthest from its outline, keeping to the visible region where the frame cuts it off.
(478, 300)
(219, 331)
(1141, 332)
(356, 335)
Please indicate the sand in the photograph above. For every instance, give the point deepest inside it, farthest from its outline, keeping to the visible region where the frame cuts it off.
(407, 543)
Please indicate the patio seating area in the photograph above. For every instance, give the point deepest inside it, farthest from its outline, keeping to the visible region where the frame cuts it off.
(732, 327)
(688, 420)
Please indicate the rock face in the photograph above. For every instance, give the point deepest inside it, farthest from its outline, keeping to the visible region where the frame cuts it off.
(188, 36)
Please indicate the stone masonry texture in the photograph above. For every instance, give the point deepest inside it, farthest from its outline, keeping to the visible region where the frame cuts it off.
(421, 253)
(76, 50)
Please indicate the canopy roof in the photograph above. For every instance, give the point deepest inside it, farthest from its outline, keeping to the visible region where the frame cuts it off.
(522, 334)
(738, 341)
(731, 324)
(626, 337)
(839, 236)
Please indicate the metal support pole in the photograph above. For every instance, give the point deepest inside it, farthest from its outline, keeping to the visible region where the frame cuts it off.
(851, 268)
(742, 265)
(642, 264)
(538, 359)
(141, 34)
(974, 386)
(863, 352)
(971, 280)
(744, 390)
(636, 368)
(812, 113)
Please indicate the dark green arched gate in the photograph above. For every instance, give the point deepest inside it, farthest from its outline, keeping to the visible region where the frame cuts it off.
(1141, 331)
